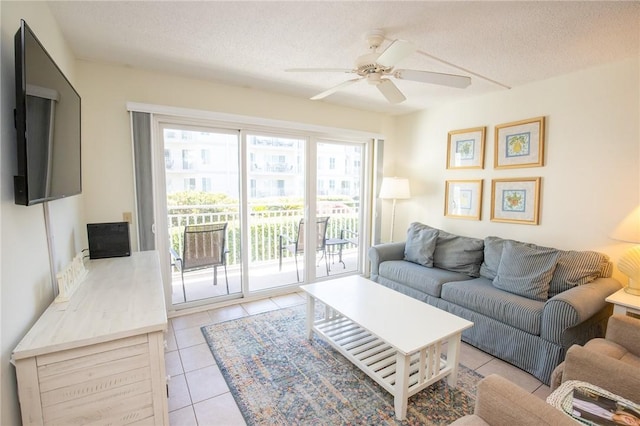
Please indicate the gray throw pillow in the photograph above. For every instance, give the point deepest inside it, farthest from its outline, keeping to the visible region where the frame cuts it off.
(492, 255)
(525, 270)
(458, 254)
(576, 268)
(420, 244)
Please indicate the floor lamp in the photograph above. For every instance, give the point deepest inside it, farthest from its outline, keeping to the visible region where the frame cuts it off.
(629, 263)
(394, 188)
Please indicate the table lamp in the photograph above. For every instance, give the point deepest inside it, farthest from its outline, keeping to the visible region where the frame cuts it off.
(394, 188)
(629, 263)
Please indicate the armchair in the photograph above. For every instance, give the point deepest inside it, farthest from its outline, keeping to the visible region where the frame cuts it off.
(612, 362)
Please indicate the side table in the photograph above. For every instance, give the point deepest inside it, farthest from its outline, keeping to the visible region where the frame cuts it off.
(331, 244)
(625, 303)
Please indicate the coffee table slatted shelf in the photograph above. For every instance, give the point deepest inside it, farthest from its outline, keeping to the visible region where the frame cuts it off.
(377, 358)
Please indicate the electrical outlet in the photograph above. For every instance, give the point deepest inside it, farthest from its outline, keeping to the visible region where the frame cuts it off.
(126, 216)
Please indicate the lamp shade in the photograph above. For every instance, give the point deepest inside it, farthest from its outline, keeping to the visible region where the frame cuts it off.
(629, 263)
(395, 188)
(629, 229)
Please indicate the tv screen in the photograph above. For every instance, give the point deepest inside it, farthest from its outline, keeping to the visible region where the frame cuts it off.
(48, 125)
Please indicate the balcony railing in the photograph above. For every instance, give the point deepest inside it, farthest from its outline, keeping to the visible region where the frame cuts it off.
(265, 227)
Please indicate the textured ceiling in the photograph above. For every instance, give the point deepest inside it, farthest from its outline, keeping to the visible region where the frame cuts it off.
(250, 44)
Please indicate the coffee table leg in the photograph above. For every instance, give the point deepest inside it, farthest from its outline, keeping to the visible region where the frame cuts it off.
(402, 386)
(453, 354)
(311, 315)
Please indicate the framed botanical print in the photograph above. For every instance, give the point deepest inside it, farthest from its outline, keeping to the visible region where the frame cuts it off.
(463, 199)
(519, 144)
(465, 148)
(516, 200)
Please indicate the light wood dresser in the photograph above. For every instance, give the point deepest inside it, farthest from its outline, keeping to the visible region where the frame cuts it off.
(99, 358)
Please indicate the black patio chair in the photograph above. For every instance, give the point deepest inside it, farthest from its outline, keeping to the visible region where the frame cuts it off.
(204, 246)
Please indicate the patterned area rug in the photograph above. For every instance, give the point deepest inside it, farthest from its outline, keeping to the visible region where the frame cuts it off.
(279, 377)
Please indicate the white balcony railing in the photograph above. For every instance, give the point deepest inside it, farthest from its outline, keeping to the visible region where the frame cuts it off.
(266, 226)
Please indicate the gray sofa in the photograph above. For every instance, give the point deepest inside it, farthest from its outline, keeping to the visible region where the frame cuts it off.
(528, 303)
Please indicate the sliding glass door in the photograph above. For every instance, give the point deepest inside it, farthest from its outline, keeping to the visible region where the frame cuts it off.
(246, 212)
(339, 176)
(203, 212)
(276, 205)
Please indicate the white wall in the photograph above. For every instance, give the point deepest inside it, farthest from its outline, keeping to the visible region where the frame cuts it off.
(25, 284)
(107, 159)
(590, 178)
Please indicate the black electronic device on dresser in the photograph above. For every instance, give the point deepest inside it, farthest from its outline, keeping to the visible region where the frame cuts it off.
(108, 240)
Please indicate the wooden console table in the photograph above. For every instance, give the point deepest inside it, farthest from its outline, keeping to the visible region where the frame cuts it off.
(99, 358)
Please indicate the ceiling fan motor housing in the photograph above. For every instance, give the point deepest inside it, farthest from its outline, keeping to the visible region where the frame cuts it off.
(366, 64)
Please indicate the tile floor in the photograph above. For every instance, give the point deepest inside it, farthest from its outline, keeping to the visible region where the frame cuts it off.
(198, 394)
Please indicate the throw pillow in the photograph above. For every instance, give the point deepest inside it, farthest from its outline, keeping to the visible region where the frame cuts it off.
(525, 270)
(420, 244)
(576, 268)
(458, 254)
(492, 255)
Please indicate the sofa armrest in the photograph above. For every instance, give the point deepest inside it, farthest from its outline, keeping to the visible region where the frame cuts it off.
(501, 402)
(603, 371)
(382, 252)
(625, 331)
(574, 306)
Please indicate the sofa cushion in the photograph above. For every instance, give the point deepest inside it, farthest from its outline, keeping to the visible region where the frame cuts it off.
(577, 268)
(525, 270)
(420, 245)
(479, 295)
(458, 254)
(492, 254)
(426, 280)
(606, 347)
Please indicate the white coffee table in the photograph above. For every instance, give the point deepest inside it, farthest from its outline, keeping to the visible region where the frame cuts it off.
(395, 339)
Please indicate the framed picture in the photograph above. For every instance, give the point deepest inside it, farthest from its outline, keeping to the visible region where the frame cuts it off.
(463, 199)
(465, 148)
(516, 200)
(519, 144)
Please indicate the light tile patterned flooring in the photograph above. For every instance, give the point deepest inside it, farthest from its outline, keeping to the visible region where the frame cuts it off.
(198, 394)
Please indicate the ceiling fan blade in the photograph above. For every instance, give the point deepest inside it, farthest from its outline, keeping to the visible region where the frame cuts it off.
(391, 91)
(335, 89)
(345, 70)
(397, 51)
(452, 80)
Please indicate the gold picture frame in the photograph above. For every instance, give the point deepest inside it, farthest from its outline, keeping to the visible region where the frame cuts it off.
(519, 144)
(465, 148)
(516, 200)
(463, 199)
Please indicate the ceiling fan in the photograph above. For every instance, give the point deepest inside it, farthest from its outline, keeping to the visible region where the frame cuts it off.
(376, 68)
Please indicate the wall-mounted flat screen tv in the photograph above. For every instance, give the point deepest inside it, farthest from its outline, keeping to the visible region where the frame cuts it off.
(48, 125)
